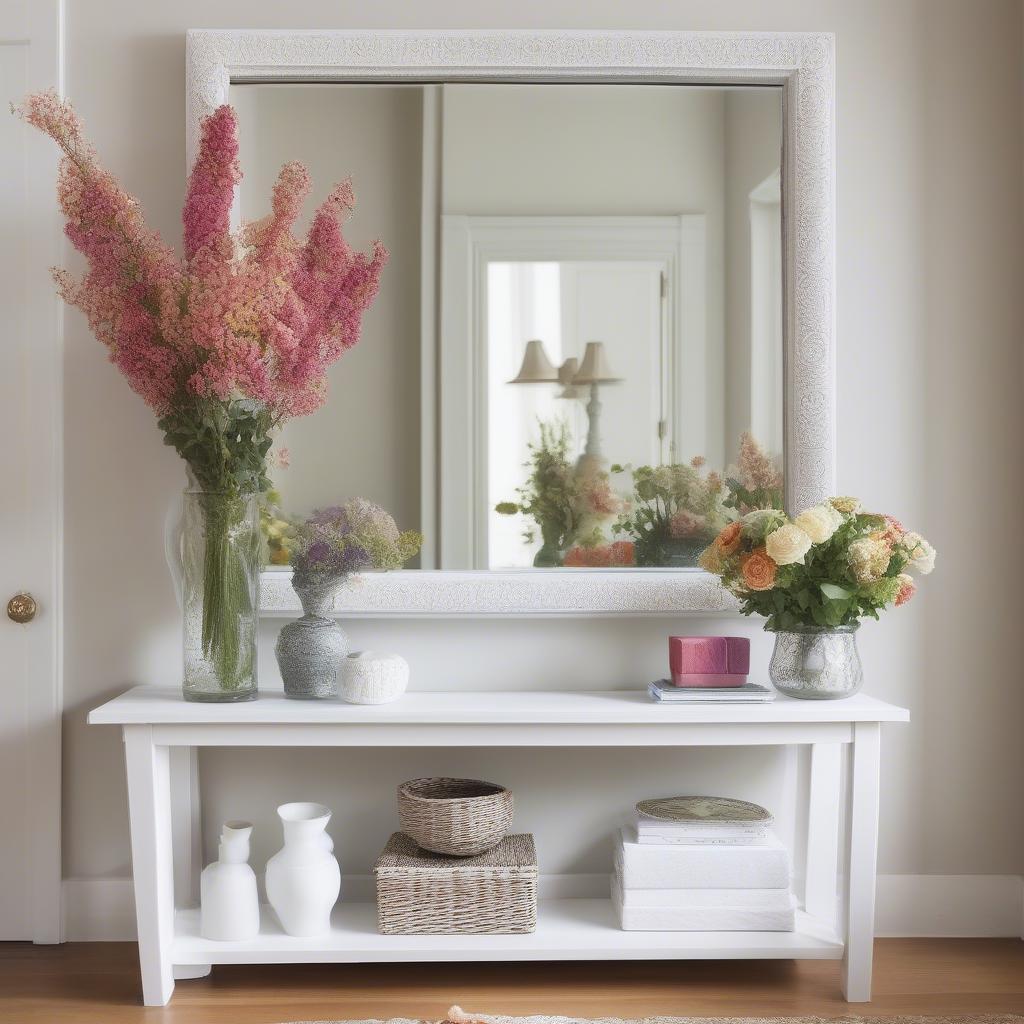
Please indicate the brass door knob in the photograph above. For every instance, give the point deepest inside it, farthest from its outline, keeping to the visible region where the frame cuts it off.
(22, 608)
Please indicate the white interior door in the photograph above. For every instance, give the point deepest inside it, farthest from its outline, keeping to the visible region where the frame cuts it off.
(30, 417)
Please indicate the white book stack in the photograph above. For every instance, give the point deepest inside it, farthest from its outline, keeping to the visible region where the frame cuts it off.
(702, 864)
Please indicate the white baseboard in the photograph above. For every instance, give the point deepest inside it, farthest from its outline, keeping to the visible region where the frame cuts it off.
(98, 910)
(937, 906)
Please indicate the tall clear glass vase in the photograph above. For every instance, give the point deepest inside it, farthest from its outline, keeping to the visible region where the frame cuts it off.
(221, 561)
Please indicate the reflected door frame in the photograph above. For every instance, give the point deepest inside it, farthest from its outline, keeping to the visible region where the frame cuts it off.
(766, 334)
(468, 245)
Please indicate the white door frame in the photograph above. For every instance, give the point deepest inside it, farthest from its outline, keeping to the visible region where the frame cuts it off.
(39, 26)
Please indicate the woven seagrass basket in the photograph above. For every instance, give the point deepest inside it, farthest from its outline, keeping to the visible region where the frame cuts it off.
(424, 893)
(457, 817)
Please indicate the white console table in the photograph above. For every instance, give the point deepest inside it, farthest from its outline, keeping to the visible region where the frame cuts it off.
(160, 730)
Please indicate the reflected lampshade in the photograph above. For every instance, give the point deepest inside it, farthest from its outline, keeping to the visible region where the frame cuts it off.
(596, 368)
(536, 367)
(566, 375)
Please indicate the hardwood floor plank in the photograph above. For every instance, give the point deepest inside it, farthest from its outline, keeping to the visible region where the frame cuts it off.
(98, 983)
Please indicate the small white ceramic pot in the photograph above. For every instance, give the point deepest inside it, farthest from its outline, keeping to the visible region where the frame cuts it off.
(369, 678)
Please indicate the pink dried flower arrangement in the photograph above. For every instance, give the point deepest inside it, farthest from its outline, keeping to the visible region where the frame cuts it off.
(756, 483)
(233, 338)
(223, 344)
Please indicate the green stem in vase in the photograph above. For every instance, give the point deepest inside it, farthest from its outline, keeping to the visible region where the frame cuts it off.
(226, 599)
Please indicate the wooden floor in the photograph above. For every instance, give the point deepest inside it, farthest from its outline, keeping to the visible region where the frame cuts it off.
(98, 984)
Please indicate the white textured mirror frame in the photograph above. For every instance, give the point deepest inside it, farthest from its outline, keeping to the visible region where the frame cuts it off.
(802, 63)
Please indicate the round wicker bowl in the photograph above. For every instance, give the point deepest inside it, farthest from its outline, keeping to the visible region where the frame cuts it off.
(456, 817)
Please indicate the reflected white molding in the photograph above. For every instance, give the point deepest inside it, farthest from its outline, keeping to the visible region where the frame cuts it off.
(802, 63)
(525, 593)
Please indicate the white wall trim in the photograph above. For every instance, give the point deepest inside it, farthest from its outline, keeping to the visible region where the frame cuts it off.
(98, 910)
(931, 906)
(430, 244)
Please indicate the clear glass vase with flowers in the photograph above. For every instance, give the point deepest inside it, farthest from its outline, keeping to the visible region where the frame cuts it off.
(569, 503)
(813, 578)
(224, 343)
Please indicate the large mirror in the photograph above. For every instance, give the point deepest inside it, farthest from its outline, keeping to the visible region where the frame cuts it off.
(576, 357)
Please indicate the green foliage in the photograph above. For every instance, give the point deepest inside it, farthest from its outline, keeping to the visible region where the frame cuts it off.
(224, 443)
(550, 496)
(823, 590)
(660, 494)
(232, 557)
(744, 499)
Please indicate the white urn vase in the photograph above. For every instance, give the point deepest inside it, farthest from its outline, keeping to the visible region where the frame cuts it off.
(229, 902)
(303, 877)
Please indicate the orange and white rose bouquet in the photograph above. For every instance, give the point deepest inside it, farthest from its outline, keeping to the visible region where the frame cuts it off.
(830, 566)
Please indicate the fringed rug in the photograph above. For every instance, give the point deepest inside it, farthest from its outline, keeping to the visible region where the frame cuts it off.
(458, 1016)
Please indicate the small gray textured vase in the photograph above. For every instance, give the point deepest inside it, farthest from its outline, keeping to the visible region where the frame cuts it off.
(310, 650)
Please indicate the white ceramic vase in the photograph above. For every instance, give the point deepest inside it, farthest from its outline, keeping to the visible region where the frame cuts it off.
(229, 902)
(370, 678)
(303, 877)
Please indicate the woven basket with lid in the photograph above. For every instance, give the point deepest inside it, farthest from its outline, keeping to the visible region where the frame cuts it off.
(424, 893)
(457, 817)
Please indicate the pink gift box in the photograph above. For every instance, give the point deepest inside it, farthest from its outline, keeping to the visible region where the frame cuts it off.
(709, 660)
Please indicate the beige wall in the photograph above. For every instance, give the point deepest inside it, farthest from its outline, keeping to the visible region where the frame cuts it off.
(374, 135)
(591, 150)
(931, 242)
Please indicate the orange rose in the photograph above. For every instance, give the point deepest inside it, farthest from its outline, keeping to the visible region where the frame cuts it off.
(759, 570)
(729, 539)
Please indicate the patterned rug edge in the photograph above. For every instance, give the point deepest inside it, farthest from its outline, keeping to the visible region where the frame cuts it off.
(458, 1016)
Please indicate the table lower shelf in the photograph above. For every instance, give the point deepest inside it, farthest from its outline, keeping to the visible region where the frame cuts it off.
(572, 929)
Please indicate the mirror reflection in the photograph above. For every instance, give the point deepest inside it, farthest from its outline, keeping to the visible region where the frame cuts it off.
(576, 355)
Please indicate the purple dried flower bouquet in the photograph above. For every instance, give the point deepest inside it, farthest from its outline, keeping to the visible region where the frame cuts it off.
(344, 539)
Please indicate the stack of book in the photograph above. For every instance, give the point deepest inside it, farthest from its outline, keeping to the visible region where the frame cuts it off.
(665, 692)
(702, 864)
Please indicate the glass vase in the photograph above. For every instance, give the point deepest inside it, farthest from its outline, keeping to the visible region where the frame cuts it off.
(221, 560)
(550, 554)
(817, 663)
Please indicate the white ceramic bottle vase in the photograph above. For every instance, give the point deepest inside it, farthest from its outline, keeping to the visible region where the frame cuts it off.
(229, 902)
(303, 878)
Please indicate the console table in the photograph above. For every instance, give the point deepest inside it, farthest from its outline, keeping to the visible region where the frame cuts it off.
(162, 733)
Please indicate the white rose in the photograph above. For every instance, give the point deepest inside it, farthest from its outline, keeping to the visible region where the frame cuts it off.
(788, 544)
(920, 553)
(819, 522)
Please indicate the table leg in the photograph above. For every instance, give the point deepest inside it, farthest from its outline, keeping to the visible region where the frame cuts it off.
(187, 825)
(861, 860)
(821, 872)
(149, 810)
(187, 821)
